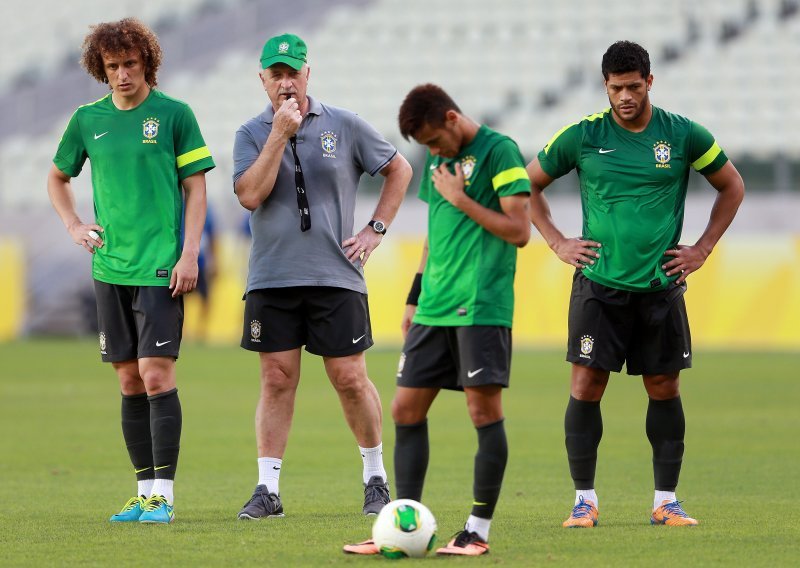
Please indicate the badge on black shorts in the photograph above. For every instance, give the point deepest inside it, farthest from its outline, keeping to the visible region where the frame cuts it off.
(255, 331)
(587, 344)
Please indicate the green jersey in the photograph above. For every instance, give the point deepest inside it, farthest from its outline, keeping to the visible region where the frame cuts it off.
(139, 158)
(469, 275)
(633, 190)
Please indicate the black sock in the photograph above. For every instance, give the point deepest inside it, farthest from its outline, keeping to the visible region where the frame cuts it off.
(490, 465)
(583, 429)
(411, 453)
(666, 427)
(136, 432)
(165, 425)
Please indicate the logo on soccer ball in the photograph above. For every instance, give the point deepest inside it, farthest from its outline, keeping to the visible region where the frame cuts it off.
(468, 166)
(102, 338)
(255, 331)
(406, 518)
(663, 152)
(328, 140)
(150, 128)
(283, 47)
(587, 344)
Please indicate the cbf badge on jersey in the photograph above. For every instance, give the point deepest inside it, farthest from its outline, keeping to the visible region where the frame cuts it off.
(150, 130)
(328, 140)
(663, 152)
(468, 164)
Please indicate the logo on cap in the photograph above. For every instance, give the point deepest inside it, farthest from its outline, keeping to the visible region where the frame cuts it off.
(285, 48)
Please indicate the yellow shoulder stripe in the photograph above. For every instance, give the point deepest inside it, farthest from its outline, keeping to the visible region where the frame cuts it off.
(193, 156)
(555, 136)
(507, 176)
(707, 158)
(590, 118)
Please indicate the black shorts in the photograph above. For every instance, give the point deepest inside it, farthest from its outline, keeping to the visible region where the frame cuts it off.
(649, 331)
(332, 322)
(455, 357)
(138, 321)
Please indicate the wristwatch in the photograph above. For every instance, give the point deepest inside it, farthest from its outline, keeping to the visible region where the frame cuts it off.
(378, 226)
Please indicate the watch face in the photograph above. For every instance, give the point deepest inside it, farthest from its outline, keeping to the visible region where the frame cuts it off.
(379, 227)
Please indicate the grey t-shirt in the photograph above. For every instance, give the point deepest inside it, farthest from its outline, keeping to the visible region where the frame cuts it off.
(335, 146)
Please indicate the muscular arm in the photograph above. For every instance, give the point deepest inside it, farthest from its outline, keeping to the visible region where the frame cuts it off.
(184, 274)
(59, 189)
(397, 175)
(730, 192)
(573, 251)
(511, 224)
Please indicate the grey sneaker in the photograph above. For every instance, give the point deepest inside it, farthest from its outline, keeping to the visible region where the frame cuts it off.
(376, 495)
(262, 505)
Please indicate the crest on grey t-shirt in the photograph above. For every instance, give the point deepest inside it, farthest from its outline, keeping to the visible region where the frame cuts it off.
(328, 139)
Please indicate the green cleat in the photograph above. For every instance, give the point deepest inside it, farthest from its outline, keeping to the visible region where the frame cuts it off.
(131, 512)
(157, 510)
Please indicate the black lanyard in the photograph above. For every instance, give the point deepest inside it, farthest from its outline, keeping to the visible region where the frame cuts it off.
(300, 185)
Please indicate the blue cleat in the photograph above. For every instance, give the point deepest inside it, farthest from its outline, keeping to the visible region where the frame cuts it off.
(157, 510)
(131, 512)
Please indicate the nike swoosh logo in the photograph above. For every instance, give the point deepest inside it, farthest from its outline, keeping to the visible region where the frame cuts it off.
(98, 136)
(478, 503)
(160, 343)
(685, 354)
(140, 470)
(471, 374)
(161, 467)
(604, 151)
(360, 338)
(276, 467)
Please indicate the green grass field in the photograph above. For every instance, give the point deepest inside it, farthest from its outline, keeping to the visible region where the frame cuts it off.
(64, 468)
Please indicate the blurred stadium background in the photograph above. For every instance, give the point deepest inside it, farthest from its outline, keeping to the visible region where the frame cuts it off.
(525, 67)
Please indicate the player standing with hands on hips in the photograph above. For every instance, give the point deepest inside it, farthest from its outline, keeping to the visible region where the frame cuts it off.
(627, 306)
(457, 323)
(146, 150)
(296, 168)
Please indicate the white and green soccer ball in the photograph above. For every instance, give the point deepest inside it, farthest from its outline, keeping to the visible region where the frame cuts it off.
(404, 528)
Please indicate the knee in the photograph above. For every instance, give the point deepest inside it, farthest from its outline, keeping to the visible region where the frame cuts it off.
(130, 382)
(405, 414)
(589, 385)
(157, 380)
(483, 415)
(662, 387)
(276, 379)
(350, 383)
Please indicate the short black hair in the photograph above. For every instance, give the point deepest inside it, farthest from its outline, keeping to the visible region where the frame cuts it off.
(624, 57)
(424, 105)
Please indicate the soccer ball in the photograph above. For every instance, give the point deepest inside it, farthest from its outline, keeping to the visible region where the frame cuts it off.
(404, 528)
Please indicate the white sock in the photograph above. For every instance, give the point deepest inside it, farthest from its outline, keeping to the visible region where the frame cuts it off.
(662, 496)
(269, 473)
(373, 462)
(163, 487)
(145, 486)
(587, 494)
(479, 525)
